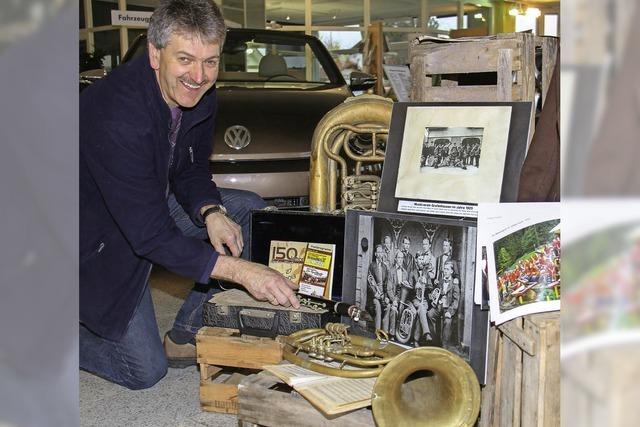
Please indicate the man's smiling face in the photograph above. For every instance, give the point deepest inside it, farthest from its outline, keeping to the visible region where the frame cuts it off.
(185, 68)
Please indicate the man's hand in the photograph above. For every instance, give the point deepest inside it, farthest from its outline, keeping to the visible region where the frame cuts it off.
(447, 315)
(223, 231)
(262, 282)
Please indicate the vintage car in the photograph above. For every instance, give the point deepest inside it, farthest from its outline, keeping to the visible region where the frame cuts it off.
(273, 89)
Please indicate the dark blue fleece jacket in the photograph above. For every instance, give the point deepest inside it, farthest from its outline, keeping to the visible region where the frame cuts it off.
(125, 177)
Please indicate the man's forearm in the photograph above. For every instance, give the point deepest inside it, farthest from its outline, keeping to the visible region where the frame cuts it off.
(227, 268)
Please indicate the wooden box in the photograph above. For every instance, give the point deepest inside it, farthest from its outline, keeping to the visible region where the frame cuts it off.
(263, 399)
(493, 68)
(218, 347)
(523, 378)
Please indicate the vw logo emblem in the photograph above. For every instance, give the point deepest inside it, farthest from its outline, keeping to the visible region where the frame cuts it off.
(237, 137)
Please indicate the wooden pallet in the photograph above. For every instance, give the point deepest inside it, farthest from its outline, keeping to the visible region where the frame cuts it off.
(218, 347)
(259, 403)
(523, 377)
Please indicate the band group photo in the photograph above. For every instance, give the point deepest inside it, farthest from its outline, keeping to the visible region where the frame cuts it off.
(414, 279)
(451, 147)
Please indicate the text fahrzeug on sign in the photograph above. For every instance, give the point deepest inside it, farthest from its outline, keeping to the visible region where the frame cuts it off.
(130, 18)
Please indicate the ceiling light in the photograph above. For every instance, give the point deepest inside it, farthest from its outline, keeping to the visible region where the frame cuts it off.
(478, 16)
(288, 18)
(514, 11)
(533, 11)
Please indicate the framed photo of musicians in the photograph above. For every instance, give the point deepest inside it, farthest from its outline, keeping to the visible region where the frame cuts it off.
(453, 153)
(415, 276)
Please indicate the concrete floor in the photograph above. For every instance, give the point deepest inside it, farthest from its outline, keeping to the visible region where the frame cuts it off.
(173, 402)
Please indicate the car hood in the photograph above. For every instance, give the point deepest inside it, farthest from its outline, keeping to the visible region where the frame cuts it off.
(281, 121)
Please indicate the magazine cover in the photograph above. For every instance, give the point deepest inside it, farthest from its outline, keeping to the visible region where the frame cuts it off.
(523, 257)
(310, 265)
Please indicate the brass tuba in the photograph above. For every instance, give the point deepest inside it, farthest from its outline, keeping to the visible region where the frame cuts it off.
(348, 147)
(426, 386)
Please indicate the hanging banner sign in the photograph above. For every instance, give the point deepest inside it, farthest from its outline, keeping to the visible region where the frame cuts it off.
(130, 18)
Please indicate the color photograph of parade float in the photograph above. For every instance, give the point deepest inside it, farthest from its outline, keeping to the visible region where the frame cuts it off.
(528, 265)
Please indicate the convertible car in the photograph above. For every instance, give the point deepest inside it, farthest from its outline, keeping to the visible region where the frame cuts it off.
(273, 89)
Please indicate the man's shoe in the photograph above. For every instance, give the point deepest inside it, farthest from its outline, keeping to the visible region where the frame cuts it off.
(179, 355)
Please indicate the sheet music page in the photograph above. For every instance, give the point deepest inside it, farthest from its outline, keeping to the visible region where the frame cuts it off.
(330, 394)
(335, 395)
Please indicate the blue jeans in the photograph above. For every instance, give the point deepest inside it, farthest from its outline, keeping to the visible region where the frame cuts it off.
(137, 360)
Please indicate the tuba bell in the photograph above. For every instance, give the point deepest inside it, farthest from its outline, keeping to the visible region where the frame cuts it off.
(427, 387)
(348, 148)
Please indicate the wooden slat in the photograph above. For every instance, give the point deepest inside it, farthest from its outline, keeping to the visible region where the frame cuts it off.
(515, 333)
(466, 57)
(517, 382)
(467, 94)
(527, 77)
(495, 415)
(489, 390)
(418, 79)
(548, 405)
(257, 404)
(531, 382)
(507, 383)
(208, 371)
(549, 56)
(505, 78)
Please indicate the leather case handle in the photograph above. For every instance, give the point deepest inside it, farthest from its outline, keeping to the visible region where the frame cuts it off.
(264, 316)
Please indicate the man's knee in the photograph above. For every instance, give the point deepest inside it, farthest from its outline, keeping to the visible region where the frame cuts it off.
(146, 376)
(254, 201)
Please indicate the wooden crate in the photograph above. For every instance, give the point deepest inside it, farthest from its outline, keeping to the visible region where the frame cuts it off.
(259, 403)
(510, 55)
(523, 378)
(217, 347)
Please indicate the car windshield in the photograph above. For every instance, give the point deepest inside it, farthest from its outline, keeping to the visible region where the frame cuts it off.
(259, 61)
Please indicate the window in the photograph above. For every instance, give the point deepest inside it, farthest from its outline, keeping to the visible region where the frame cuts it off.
(108, 43)
(551, 25)
(447, 23)
(345, 48)
(525, 23)
(261, 60)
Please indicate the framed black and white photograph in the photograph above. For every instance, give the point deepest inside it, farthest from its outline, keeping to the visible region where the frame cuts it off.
(451, 150)
(454, 153)
(415, 276)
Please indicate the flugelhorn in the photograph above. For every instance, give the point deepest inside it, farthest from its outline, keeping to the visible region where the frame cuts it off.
(354, 356)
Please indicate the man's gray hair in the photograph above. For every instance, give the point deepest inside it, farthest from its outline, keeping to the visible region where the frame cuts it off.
(199, 18)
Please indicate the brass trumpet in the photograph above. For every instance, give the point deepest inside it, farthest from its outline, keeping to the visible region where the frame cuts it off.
(356, 356)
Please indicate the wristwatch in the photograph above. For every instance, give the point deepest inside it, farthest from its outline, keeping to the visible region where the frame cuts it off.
(213, 209)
